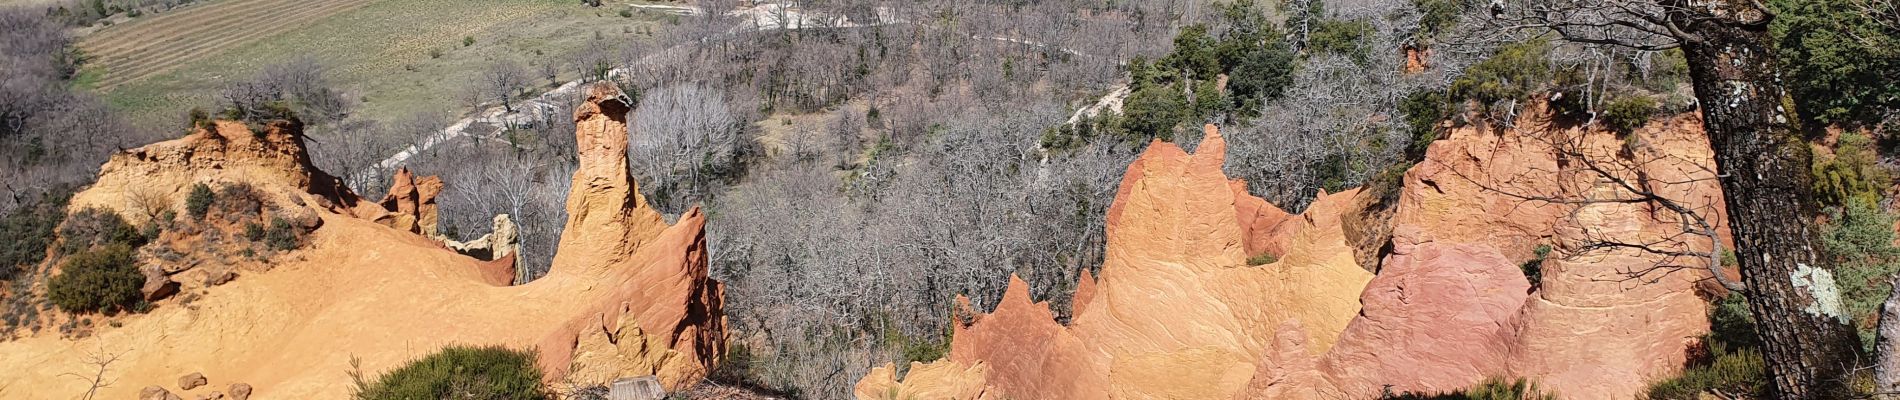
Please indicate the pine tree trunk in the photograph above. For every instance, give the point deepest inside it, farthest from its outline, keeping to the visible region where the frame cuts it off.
(1764, 165)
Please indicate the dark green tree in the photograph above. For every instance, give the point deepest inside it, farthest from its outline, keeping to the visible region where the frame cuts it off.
(102, 279)
(1839, 59)
(1153, 111)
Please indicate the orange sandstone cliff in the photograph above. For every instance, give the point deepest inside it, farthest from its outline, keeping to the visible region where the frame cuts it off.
(1177, 311)
(627, 293)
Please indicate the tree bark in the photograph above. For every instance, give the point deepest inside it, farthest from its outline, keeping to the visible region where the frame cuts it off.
(1887, 348)
(1764, 160)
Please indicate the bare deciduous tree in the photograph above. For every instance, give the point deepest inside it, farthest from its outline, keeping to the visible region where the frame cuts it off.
(682, 137)
(51, 133)
(298, 86)
(502, 80)
(148, 202)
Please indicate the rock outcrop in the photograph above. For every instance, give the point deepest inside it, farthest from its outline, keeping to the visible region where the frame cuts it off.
(1176, 312)
(1452, 305)
(273, 160)
(384, 296)
(938, 380)
(410, 204)
(664, 318)
(1175, 294)
(502, 241)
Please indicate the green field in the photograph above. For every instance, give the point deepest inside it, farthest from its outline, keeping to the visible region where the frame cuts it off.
(380, 51)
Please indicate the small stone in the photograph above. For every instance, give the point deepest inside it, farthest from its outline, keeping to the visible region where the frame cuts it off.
(306, 218)
(156, 392)
(240, 391)
(193, 381)
(157, 285)
(219, 278)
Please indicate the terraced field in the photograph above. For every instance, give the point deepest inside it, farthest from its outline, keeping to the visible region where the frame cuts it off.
(142, 48)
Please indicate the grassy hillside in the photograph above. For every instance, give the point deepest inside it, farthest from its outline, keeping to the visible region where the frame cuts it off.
(397, 57)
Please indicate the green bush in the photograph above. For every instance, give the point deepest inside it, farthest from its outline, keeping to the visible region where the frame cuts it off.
(1727, 360)
(926, 347)
(1423, 110)
(1858, 241)
(1734, 371)
(199, 119)
(1437, 15)
(93, 227)
(253, 231)
(1332, 171)
(468, 41)
(1667, 68)
(1153, 111)
(1625, 114)
(282, 235)
(1534, 268)
(199, 201)
(1061, 137)
(27, 231)
(926, 350)
(1248, 29)
(1511, 74)
(1263, 259)
(1838, 60)
(103, 279)
(1194, 56)
(1489, 389)
(1852, 173)
(460, 372)
(1343, 37)
(239, 201)
(1262, 74)
(1731, 323)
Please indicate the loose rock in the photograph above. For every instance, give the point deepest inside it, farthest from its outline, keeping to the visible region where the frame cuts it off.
(193, 381)
(240, 391)
(156, 392)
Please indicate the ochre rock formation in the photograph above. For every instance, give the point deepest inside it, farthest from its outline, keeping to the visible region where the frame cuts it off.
(1452, 307)
(502, 240)
(1176, 310)
(938, 380)
(411, 203)
(273, 160)
(1602, 323)
(386, 296)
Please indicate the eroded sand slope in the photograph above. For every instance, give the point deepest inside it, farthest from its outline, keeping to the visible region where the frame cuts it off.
(627, 293)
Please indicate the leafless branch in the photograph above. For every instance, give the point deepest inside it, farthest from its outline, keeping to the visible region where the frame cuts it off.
(101, 361)
(1626, 174)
